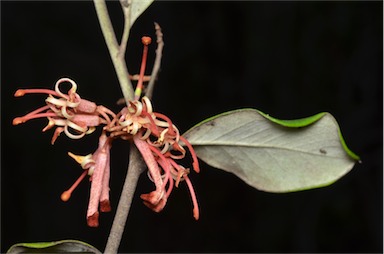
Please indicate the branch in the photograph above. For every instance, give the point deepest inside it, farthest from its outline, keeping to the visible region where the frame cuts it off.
(156, 66)
(135, 168)
(126, 6)
(114, 48)
(117, 52)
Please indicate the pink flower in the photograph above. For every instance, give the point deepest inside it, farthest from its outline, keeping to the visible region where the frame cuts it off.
(160, 144)
(97, 165)
(154, 134)
(73, 115)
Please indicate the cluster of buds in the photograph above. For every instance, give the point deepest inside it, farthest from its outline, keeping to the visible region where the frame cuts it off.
(155, 136)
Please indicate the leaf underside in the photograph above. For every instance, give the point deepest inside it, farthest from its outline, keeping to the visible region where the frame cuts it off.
(137, 8)
(274, 155)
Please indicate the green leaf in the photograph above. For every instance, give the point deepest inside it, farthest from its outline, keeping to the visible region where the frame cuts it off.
(137, 8)
(63, 246)
(274, 155)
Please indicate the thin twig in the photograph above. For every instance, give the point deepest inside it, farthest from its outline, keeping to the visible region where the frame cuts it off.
(114, 49)
(156, 66)
(135, 168)
(126, 6)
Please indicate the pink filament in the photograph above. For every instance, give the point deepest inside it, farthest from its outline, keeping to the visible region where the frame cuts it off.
(194, 199)
(22, 92)
(193, 154)
(170, 125)
(142, 68)
(23, 119)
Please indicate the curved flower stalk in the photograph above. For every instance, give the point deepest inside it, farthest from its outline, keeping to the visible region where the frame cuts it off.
(156, 137)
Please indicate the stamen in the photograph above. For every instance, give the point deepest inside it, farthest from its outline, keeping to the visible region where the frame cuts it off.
(138, 106)
(181, 171)
(50, 124)
(46, 107)
(82, 160)
(176, 148)
(170, 125)
(75, 127)
(193, 196)
(167, 165)
(56, 134)
(90, 130)
(55, 101)
(18, 120)
(153, 126)
(22, 92)
(103, 111)
(71, 90)
(193, 154)
(124, 123)
(146, 41)
(67, 194)
(147, 103)
(146, 134)
(23, 119)
(165, 148)
(66, 113)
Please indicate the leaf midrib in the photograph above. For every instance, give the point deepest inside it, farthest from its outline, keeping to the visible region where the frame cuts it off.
(236, 146)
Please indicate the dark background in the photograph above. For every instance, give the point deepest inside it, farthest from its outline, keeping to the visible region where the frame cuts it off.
(288, 59)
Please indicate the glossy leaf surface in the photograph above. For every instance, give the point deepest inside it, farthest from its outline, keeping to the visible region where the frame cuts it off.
(64, 246)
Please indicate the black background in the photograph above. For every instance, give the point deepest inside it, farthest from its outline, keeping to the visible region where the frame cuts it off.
(288, 59)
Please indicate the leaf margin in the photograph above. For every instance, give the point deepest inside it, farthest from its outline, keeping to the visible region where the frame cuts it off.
(138, 7)
(44, 245)
(293, 123)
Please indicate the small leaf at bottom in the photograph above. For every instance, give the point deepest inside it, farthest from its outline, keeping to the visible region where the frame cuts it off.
(63, 246)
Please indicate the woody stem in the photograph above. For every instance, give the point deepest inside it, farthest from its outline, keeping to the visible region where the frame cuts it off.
(135, 168)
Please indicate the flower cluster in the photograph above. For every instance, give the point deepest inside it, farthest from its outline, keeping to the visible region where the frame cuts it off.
(72, 114)
(160, 144)
(154, 134)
